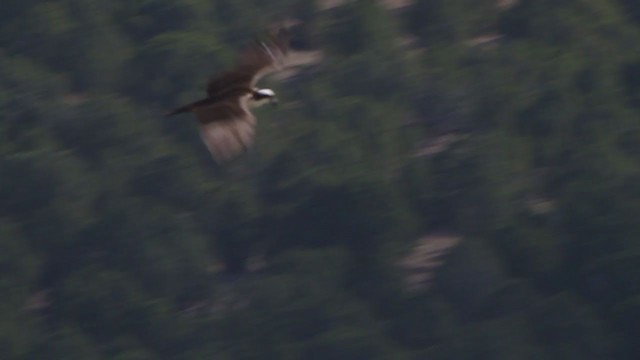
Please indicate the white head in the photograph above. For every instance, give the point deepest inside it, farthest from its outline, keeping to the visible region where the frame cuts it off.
(266, 92)
(263, 96)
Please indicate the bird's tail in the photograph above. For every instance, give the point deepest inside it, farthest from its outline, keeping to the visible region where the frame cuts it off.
(190, 107)
(180, 110)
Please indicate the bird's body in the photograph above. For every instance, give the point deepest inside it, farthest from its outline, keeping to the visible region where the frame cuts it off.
(226, 123)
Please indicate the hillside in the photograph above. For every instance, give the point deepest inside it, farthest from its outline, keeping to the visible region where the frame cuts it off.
(457, 179)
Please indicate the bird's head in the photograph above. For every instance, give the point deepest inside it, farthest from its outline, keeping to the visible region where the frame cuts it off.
(263, 96)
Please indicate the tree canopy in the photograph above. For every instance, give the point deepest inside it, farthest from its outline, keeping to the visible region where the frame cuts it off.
(511, 124)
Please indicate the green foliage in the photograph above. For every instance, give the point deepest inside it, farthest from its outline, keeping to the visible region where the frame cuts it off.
(121, 239)
(191, 56)
(20, 267)
(570, 329)
(443, 21)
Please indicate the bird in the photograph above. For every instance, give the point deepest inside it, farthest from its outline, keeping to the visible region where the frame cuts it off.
(226, 124)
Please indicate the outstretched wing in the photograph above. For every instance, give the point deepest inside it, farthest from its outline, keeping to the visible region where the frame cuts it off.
(262, 57)
(227, 128)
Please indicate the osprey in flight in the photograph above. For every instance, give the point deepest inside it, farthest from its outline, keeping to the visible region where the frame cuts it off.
(226, 123)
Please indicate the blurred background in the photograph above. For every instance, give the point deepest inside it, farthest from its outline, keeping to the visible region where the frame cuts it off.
(458, 179)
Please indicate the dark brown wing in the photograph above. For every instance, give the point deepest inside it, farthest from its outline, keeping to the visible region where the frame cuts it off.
(227, 128)
(262, 57)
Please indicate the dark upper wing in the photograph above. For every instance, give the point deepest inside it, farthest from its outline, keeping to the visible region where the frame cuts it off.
(227, 128)
(262, 57)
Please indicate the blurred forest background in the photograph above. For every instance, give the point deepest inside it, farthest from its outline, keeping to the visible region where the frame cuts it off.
(458, 179)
